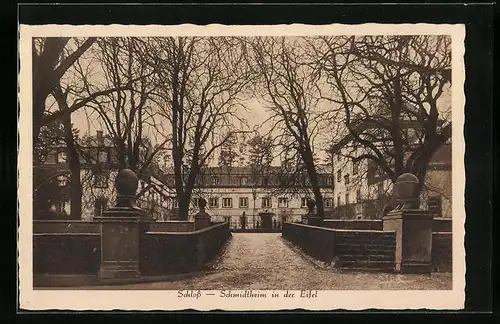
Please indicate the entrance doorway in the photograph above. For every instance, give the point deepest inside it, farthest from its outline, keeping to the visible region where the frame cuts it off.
(266, 220)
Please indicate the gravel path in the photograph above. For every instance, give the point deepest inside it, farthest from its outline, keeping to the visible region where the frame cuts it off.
(266, 261)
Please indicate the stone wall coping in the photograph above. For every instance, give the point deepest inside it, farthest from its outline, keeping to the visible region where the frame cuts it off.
(339, 230)
(410, 214)
(208, 229)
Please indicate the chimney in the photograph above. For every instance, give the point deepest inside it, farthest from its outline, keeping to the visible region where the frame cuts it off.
(100, 138)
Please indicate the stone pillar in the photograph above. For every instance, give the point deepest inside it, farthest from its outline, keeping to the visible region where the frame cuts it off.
(413, 227)
(312, 217)
(202, 218)
(121, 229)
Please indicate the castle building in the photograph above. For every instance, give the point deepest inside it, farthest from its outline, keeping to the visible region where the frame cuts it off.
(236, 195)
(362, 190)
(99, 167)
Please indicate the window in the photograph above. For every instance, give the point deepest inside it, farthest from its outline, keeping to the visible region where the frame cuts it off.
(358, 195)
(338, 200)
(60, 206)
(213, 202)
(328, 202)
(346, 179)
(380, 189)
(102, 157)
(62, 181)
(329, 181)
(175, 203)
(243, 181)
(358, 217)
(355, 167)
(243, 202)
(339, 175)
(303, 202)
(265, 181)
(266, 202)
(100, 205)
(215, 181)
(434, 205)
(101, 180)
(196, 202)
(347, 199)
(227, 219)
(227, 202)
(282, 202)
(62, 157)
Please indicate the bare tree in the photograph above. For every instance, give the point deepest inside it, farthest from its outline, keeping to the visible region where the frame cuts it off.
(127, 114)
(200, 83)
(389, 88)
(288, 90)
(48, 69)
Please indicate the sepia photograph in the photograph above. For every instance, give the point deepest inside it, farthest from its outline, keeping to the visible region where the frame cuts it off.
(237, 167)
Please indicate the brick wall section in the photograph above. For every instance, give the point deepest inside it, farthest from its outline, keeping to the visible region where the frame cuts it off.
(168, 253)
(365, 250)
(442, 252)
(66, 253)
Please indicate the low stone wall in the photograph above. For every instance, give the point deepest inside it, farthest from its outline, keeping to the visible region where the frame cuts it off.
(176, 252)
(172, 226)
(66, 253)
(74, 247)
(77, 226)
(361, 248)
(442, 247)
(351, 224)
(319, 242)
(438, 225)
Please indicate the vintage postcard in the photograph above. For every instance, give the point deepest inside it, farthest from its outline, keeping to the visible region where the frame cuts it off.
(241, 167)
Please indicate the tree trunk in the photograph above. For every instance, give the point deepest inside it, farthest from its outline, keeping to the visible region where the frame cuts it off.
(313, 177)
(73, 159)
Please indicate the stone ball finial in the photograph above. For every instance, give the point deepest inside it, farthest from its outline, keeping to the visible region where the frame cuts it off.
(407, 191)
(126, 183)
